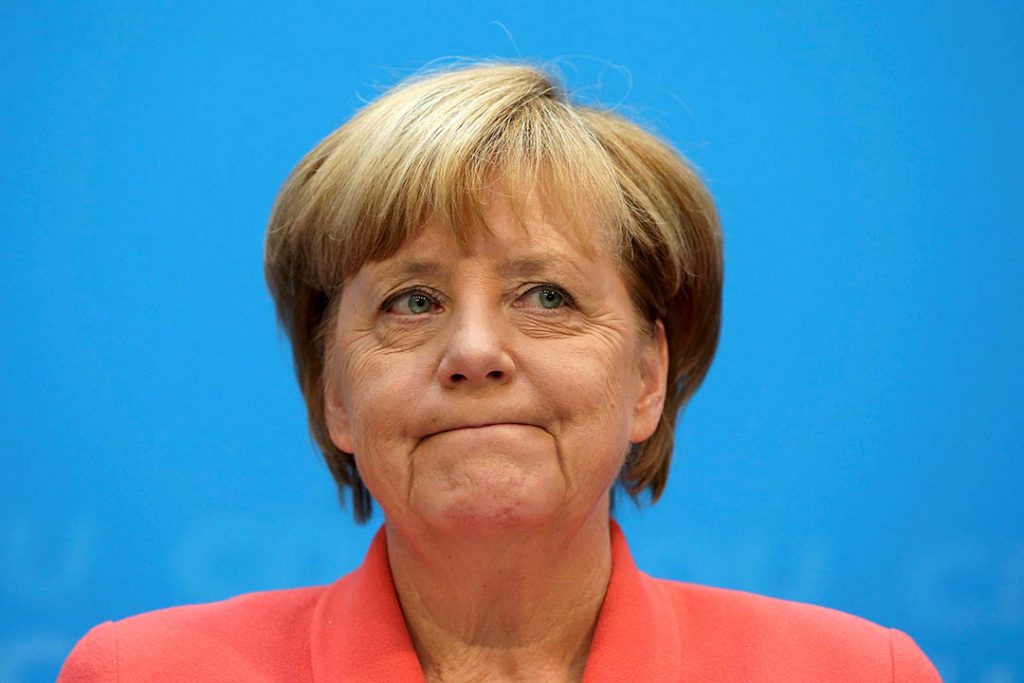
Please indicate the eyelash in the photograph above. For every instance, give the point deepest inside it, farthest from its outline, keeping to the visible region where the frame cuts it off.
(389, 303)
(436, 298)
(567, 300)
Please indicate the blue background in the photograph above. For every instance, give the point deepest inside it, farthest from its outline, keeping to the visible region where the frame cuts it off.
(857, 443)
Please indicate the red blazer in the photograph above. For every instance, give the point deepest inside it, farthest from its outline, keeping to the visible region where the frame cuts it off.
(352, 630)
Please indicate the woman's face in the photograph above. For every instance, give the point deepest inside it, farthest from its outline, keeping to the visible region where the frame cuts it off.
(495, 387)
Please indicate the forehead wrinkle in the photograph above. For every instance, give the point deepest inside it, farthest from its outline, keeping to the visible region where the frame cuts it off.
(406, 268)
(530, 266)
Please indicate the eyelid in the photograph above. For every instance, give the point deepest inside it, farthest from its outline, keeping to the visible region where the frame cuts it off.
(533, 287)
(389, 301)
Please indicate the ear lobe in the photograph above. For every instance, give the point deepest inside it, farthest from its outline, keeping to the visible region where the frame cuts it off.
(650, 400)
(336, 419)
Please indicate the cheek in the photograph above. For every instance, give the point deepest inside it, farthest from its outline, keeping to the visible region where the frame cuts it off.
(377, 389)
(595, 377)
(378, 404)
(589, 390)
(381, 447)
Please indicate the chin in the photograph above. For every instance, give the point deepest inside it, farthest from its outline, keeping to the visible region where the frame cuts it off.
(495, 511)
(488, 481)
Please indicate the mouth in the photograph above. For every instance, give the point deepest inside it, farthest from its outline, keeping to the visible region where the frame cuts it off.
(477, 426)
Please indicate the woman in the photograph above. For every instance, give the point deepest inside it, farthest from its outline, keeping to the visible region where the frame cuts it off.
(498, 302)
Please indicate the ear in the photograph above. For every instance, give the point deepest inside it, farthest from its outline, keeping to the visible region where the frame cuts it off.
(650, 400)
(337, 419)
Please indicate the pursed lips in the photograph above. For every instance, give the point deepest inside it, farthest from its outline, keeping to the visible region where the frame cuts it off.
(476, 425)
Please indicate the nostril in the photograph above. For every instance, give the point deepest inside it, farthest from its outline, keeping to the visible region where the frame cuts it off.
(495, 374)
(457, 377)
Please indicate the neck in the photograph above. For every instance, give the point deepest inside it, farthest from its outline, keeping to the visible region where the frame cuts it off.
(517, 606)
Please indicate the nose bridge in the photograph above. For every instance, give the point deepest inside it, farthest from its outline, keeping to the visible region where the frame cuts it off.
(476, 351)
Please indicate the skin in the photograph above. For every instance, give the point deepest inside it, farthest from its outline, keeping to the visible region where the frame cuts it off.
(490, 394)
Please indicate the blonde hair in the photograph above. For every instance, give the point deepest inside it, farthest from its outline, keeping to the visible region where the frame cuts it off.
(429, 149)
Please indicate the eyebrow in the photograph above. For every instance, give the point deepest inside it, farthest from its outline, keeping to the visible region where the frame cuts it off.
(530, 266)
(517, 267)
(411, 269)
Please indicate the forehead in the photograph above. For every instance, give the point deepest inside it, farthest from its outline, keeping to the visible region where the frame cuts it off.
(508, 241)
(526, 231)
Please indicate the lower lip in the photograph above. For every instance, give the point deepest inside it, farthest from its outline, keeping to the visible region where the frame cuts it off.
(498, 426)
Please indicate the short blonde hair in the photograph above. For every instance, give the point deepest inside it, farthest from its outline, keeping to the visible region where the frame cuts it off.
(429, 149)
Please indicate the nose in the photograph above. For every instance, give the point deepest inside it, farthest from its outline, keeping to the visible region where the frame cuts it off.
(476, 353)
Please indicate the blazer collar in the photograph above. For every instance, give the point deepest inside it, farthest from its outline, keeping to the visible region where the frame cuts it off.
(359, 634)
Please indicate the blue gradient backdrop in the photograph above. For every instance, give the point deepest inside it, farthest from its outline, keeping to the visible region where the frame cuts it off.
(857, 444)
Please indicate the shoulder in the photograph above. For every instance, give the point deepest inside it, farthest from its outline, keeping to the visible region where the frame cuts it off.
(256, 636)
(797, 641)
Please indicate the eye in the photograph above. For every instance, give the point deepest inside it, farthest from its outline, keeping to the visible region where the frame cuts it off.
(411, 302)
(546, 296)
